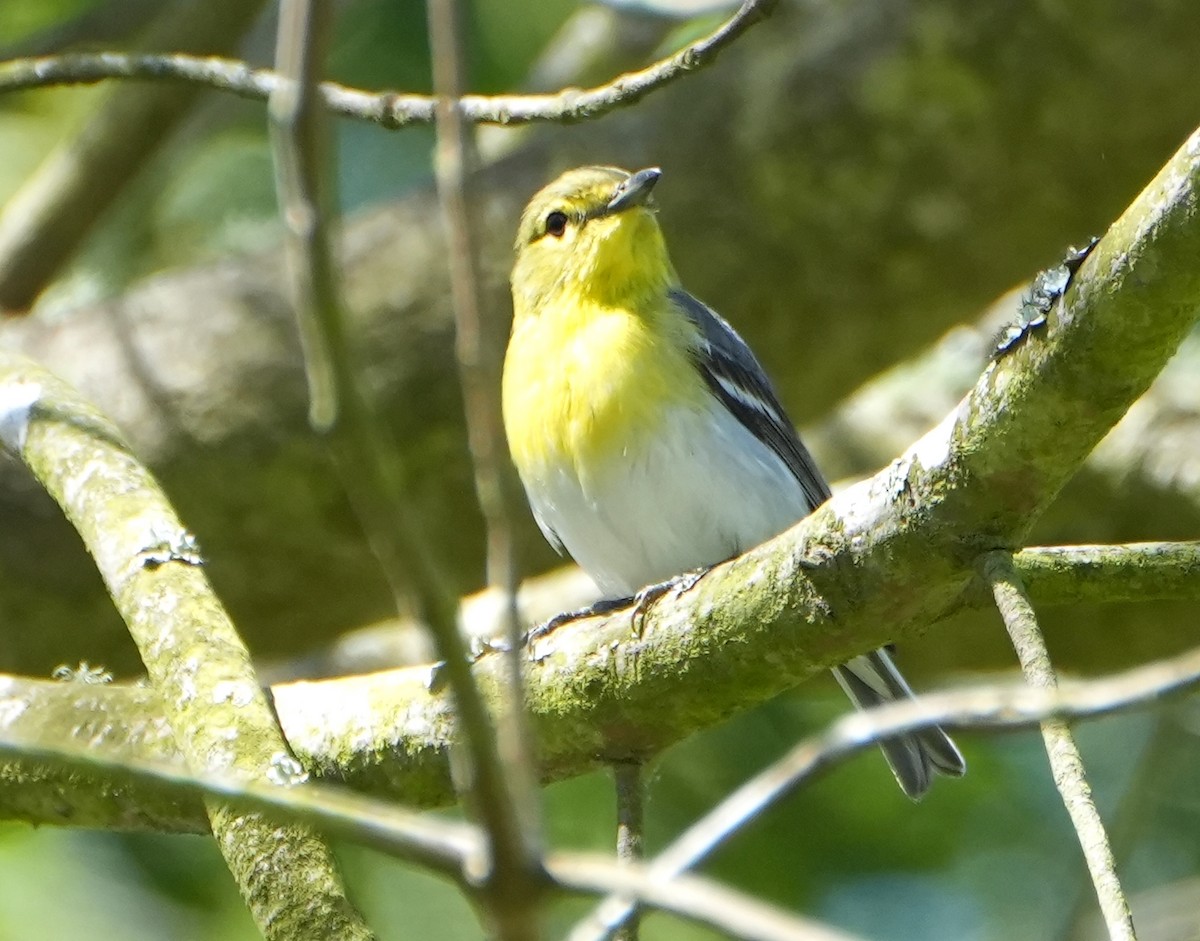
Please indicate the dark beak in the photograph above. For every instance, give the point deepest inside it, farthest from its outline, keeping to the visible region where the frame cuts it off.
(634, 191)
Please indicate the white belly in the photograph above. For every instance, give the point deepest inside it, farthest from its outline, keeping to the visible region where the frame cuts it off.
(701, 491)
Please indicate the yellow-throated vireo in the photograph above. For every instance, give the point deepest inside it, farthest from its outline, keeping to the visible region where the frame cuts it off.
(647, 435)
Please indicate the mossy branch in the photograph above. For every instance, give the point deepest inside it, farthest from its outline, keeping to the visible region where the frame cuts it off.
(201, 674)
(124, 723)
(877, 563)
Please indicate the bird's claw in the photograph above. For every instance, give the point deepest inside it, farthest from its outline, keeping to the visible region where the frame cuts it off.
(595, 609)
(644, 599)
(641, 603)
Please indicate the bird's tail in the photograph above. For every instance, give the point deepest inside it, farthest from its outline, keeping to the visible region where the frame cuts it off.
(874, 679)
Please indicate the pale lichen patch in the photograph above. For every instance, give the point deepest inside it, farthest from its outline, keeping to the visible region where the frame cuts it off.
(933, 449)
(11, 708)
(235, 692)
(17, 399)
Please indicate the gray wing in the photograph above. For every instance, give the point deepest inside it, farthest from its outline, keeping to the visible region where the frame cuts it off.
(738, 380)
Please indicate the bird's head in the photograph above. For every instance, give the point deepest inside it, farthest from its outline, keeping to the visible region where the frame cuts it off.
(591, 235)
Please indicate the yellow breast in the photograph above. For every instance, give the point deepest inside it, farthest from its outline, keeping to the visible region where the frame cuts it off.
(586, 384)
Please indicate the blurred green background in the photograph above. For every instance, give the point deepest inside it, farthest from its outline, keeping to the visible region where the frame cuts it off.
(889, 194)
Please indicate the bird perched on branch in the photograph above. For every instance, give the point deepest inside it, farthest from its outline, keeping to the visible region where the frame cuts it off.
(649, 439)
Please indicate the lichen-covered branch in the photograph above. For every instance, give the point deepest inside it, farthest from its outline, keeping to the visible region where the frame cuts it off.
(878, 562)
(201, 673)
(1136, 572)
(442, 845)
(125, 722)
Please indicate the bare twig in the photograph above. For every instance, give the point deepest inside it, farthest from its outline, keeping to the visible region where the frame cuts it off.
(627, 778)
(993, 706)
(369, 467)
(1164, 753)
(358, 441)
(386, 109)
(514, 878)
(691, 897)
(1065, 761)
(448, 847)
(435, 843)
(301, 146)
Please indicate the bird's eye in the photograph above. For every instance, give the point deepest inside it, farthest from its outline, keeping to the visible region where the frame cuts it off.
(556, 223)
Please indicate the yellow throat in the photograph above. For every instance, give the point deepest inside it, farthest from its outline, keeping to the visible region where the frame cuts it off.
(597, 351)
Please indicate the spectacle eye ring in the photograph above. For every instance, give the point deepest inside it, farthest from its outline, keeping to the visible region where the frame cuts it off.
(556, 223)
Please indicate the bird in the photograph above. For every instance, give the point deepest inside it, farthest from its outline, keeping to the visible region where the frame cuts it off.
(646, 434)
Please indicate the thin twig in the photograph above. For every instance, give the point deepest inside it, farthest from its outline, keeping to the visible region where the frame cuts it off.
(387, 109)
(692, 897)
(435, 843)
(514, 879)
(994, 706)
(359, 444)
(1065, 761)
(356, 435)
(448, 847)
(337, 407)
(300, 146)
(342, 412)
(627, 779)
(369, 468)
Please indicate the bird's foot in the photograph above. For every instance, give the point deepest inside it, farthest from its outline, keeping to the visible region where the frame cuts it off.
(644, 599)
(641, 602)
(597, 608)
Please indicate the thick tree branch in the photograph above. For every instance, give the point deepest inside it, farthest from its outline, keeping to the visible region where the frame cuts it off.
(1056, 575)
(119, 728)
(441, 845)
(784, 130)
(877, 562)
(201, 672)
(35, 713)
